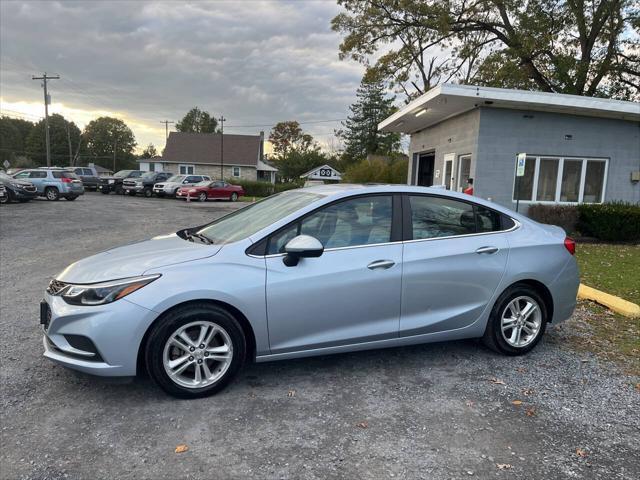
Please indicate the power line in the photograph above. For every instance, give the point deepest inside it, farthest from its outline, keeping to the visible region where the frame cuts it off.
(299, 123)
(47, 101)
(166, 127)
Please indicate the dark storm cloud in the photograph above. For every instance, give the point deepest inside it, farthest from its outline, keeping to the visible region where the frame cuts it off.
(253, 61)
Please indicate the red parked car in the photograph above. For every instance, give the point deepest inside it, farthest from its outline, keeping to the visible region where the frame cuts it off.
(207, 190)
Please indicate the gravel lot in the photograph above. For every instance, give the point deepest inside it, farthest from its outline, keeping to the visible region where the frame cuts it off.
(433, 411)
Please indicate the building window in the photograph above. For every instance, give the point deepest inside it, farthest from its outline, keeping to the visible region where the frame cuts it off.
(465, 171)
(236, 171)
(562, 180)
(186, 169)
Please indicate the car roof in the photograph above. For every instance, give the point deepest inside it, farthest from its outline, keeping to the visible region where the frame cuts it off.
(341, 190)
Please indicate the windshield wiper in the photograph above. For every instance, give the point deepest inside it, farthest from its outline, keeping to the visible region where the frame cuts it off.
(199, 236)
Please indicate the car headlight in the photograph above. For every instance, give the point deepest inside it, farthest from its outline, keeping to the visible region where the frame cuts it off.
(105, 292)
(16, 185)
(111, 181)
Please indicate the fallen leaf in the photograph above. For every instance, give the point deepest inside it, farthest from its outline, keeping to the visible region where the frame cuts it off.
(638, 386)
(291, 393)
(580, 452)
(528, 391)
(503, 466)
(517, 403)
(496, 381)
(181, 448)
(531, 411)
(364, 424)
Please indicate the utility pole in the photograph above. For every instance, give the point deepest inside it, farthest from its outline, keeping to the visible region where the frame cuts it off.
(166, 127)
(47, 100)
(115, 144)
(71, 162)
(222, 120)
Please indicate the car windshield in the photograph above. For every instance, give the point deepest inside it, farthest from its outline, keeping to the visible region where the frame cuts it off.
(176, 179)
(203, 183)
(249, 220)
(122, 173)
(149, 175)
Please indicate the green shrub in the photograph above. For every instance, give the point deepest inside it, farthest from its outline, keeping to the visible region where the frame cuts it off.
(264, 189)
(614, 221)
(565, 216)
(377, 171)
(255, 189)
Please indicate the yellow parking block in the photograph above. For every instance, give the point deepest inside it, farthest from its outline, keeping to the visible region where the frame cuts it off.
(612, 302)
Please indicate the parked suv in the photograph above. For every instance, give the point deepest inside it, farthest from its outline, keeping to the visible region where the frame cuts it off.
(114, 183)
(145, 183)
(53, 183)
(171, 186)
(88, 175)
(16, 189)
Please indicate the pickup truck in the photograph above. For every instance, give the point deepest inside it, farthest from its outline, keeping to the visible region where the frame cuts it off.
(145, 183)
(115, 183)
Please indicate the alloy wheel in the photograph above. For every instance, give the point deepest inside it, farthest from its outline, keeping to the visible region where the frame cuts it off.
(202, 197)
(197, 354)
(520, 322)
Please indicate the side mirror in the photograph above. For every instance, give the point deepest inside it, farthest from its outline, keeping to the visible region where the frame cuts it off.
(302, 246)
(184, 182)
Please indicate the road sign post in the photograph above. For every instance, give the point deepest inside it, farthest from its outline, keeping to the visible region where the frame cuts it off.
(521, 163)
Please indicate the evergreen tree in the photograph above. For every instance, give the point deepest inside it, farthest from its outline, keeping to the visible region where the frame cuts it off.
(360, 133)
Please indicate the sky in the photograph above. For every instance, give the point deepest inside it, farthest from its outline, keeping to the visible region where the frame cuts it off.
(255, 62)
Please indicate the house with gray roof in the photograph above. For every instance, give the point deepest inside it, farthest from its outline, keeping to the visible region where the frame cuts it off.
(229, 157)
(573, 149)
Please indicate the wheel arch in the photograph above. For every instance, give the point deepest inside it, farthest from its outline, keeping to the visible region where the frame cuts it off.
(247, 329)
(541, 289)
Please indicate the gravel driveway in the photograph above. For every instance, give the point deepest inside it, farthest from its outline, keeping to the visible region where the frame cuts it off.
(432, 411)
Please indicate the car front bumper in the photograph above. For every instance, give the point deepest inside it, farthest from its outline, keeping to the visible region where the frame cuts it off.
(20, 194)
(115, 330)
(134, 188)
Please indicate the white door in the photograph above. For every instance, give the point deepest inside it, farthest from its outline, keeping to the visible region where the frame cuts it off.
(449, 176)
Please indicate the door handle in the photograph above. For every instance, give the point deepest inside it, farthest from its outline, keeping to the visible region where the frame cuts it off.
(381, 264)
(487, 250)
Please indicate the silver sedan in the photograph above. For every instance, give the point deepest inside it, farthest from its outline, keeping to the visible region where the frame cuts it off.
(314, 271)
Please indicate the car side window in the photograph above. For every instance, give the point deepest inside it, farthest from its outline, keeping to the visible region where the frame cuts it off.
(433, 217)
(38, 175)
(354, 222)
(22, 175)
(487, 220)
(87, 171)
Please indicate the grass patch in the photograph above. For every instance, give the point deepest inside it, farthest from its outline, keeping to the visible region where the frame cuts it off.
(593, 328)
(614, 269)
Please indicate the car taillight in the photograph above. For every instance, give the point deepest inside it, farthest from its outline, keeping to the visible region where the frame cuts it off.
(570, 245)
(66, 180)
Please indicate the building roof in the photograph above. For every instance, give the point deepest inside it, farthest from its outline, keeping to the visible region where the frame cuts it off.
(448, 100)
(101, 169)
(204, 148)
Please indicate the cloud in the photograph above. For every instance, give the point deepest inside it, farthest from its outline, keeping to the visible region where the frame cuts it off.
(255, 62)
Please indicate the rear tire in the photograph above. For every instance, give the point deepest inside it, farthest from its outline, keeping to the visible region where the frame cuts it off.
(71, 198)
(52, 194)
(8, 198)
(148, 193)
(161, 352)
(234, 197)
(517, 322)
(202, 196)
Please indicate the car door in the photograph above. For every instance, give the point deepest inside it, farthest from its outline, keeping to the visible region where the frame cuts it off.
(38, 178)
(351, 293)
(452, 264)
(216, 190)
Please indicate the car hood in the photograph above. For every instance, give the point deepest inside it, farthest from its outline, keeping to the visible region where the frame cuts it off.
(135, 259)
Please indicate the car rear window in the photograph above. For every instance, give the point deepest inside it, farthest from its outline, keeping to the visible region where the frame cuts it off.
(59, 174)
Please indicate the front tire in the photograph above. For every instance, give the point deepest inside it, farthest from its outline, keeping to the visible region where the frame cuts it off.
(202, 196)
(195, 351)
(148, 193)
(517, 322)
(52, 194)
(132, 193)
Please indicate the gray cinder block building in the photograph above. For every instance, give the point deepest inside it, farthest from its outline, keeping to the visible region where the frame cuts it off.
(578, 149)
